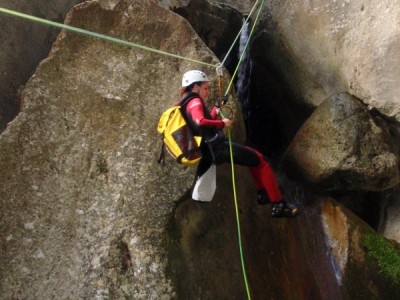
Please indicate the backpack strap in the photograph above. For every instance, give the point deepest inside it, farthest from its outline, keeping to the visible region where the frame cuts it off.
(161, 159)
(186, 98)
(183, 103)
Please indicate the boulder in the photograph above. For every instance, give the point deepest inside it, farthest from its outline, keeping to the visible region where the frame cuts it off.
(84, 204)
(217, 25)
(343, 146)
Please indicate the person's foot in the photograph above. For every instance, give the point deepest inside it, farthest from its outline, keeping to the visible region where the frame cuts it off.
(283, 210)
(262, 197)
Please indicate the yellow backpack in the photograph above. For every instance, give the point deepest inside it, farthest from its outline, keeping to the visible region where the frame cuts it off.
(177, 136)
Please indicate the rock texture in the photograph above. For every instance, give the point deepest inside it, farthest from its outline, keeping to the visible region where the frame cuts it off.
(217, 25)
(306, 52)
(84, 203)
(343, 146)
(339, 46)
(87, 213)
(348, 238)
(390, 215)
(23, 45)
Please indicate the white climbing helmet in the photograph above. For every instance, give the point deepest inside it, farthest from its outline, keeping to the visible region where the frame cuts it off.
(193, 76)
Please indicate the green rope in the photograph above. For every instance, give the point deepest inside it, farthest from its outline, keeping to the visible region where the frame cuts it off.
(237, 214)
(233, 163)
(98, 35)
(238, 35)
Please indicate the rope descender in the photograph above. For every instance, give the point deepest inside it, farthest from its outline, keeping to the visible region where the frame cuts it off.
(228, 111)
(220, 74)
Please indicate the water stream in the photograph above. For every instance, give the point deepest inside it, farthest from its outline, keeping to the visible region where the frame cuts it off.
(243, 82)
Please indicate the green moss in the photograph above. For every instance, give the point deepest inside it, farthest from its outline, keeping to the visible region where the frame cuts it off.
(386, 254)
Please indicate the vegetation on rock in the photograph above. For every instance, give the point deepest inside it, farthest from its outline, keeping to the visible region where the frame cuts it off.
(386, 254)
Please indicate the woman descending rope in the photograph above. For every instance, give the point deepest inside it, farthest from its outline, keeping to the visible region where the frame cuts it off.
(216, 150)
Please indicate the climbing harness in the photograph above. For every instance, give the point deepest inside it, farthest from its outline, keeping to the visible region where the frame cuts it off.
(260, 4)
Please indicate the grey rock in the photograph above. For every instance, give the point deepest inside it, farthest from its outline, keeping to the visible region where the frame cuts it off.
(342, 146)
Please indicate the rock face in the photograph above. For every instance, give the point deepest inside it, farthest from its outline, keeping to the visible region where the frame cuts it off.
(307, 52)
(354, 252)
(87, 213)
(342, 146)
(338, 46)
(217, 25)
(84, 203)
(390, 213)
(24, 44)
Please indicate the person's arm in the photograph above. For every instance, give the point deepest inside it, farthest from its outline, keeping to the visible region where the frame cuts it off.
(196, 109)
(214, 112)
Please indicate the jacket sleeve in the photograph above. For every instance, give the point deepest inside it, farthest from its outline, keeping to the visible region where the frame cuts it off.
(195, 108)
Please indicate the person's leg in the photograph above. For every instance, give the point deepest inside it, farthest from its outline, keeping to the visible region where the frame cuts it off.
(261, 172)
(205, 161)
(265, 179)
(203, 166)
(263, 176)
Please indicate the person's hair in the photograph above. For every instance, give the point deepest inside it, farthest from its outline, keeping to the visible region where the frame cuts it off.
(188, 89)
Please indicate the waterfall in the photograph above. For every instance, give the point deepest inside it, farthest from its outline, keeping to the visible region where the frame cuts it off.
(243, 82)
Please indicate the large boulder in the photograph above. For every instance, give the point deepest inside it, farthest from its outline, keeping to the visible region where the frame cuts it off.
(343, 146)
(84, 204)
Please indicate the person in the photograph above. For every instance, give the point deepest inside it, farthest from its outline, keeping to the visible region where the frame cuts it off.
(215, 148)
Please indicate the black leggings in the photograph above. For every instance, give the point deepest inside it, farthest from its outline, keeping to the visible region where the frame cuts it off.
(242, 155)
(261, 171)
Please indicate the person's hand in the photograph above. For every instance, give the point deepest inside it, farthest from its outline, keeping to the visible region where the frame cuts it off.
(227, 122)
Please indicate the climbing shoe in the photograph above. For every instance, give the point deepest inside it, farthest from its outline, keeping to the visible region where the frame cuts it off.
(283, 210)
(262, 197)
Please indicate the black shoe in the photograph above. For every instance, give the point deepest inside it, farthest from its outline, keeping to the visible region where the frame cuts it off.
(262, 197)
(283, 210)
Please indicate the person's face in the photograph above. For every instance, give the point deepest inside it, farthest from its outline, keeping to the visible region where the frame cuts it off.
(203, 90)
